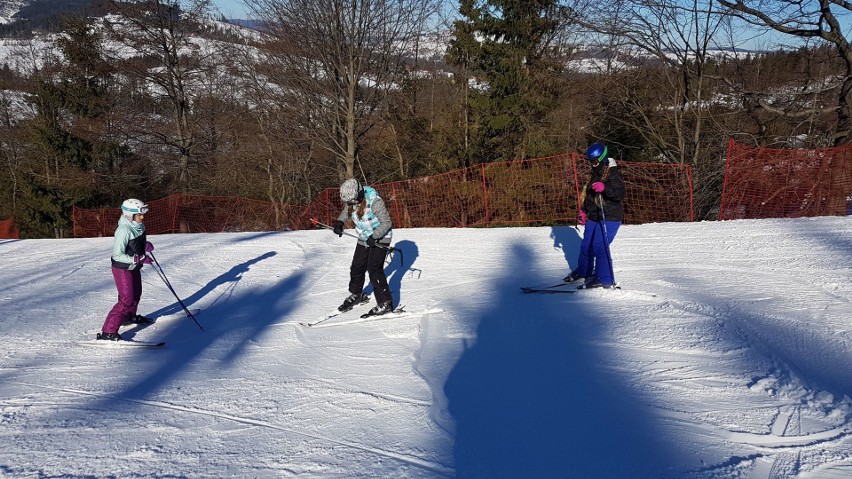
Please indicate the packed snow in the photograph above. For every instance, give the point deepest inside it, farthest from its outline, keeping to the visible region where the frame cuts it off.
(727, 353)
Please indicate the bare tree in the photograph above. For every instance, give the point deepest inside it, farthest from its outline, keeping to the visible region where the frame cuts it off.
(806, 20)
(162, 57)
(11, 144)
(271, 142)
(678, 37)
(336, 59)
(659, 97)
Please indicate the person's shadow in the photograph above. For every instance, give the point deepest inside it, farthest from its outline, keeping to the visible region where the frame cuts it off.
(567, 238)
(232, 277)
(531, 395)
(235, 319)
(401, 262)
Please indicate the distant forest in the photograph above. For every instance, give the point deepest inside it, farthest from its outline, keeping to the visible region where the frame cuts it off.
(46, 16)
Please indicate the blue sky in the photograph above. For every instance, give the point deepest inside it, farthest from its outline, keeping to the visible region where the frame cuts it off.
(236, 9)
(231, 8)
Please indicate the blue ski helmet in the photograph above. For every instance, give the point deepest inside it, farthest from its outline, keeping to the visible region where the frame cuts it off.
(596, 153)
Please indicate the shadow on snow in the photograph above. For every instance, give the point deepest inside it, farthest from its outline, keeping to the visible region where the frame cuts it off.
(399, 266)
(239, 319)
(530, 398)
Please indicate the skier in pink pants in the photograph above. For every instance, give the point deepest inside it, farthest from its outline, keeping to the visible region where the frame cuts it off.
(128, 256)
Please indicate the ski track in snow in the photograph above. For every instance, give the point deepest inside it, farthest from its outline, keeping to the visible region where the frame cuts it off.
(740, 318)
(732, 338)
(417, 462)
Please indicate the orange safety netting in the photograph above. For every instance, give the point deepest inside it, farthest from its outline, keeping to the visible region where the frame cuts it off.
(8, 229)
(192, 214)
(773, 183)
(521, 192)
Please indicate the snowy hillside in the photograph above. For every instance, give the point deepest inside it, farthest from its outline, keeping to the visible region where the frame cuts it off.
(8, 9)
(728, 353)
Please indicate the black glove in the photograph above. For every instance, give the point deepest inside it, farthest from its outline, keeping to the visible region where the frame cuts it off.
(371, 242)
(338, 228)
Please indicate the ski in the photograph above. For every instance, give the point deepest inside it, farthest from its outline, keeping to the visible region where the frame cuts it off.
(584, 288)
(179, 315)
(553, 290)
(124, 343)
(548, 291)
(370, 314)
(335, 312)
(395, 314)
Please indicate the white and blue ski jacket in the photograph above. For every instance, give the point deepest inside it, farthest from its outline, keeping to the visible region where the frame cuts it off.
(375, 221)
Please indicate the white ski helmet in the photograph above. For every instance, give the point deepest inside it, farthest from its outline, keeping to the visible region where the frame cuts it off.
(351, 191)
(132, 207)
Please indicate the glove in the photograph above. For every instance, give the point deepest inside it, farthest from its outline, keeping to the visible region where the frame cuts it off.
(371, 242)
(598, 187)
(144, 259)
(581, 217)
(149, 247)
(338, 228)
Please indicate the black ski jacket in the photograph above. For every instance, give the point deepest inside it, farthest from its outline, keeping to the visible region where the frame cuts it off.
(612, 196)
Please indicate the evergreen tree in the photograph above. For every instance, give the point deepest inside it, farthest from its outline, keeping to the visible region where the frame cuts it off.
(72, 147)
(509, 48)
(461, 52)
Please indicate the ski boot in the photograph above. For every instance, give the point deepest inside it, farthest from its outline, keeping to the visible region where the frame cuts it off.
(136, 319)
(352, 300)
(595, 284)
(573, 276)
(381, 309)
(109, 337)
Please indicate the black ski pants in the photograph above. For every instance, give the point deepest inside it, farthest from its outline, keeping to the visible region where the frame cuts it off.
(371, 261)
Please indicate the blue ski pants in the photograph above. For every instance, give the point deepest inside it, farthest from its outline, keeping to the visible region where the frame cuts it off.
(594, 259)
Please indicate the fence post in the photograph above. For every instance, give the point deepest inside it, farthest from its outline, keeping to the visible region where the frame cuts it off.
(175, 210)
(395, 205)
(691, 195)
(327, 207)
(73, 221)
(723, 206)
(485, 195)
(576, 182)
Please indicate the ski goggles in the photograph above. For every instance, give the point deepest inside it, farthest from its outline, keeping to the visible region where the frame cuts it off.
(136, 211)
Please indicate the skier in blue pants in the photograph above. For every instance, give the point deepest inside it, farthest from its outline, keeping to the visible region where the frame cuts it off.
(601, 211)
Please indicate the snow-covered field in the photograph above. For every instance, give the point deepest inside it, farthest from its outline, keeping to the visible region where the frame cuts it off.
(728, 353)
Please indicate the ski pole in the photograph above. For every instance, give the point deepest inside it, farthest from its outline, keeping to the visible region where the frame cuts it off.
(605, 238)
(159, 270)
(316, 222)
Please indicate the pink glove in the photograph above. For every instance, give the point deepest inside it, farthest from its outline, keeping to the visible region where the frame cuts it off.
(598, 187)
(149, 247)
(144, 259)
(581, 217)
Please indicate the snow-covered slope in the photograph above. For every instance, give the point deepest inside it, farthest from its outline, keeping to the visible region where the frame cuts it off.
(728, 353)
(8, 9)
